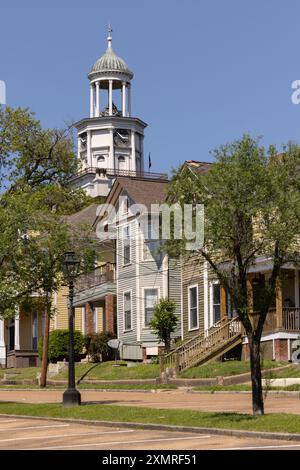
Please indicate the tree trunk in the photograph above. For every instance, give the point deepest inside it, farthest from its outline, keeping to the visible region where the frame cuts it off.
(167, 344)
(257, 393)
(44, 368)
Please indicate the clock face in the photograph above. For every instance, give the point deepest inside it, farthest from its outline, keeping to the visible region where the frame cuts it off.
(121, 137)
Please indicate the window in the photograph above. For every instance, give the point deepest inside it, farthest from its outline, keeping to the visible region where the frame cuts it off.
(125, 205)
(151, 243)
(193, 307)
(34, 331)
(230, 310)
(216, 302)
(126, 245)
(127, 311)
(150, 299)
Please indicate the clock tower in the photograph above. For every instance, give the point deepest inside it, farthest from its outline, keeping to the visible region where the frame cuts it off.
(110, 141)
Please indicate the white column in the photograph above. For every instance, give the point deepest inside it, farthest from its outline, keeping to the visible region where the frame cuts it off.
(129, 99)
(111, 162)
(97, 100)
(83, 325)
(123, 99)
(205, 289)
(91, 100)
(89, 151)
(132, 166)
(2, 343)
(297, 300)
(110, 97)
(17, 331)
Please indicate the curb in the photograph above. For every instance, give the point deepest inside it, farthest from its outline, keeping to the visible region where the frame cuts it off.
(166, 427)
(284, 393)
(119, 390)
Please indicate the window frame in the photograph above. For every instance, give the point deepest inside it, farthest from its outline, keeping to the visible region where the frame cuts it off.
(125, 330)
(125, 261)
(147, 326)
(193, 286)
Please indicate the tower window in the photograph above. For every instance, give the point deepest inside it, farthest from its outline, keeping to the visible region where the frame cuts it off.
(121, 159)
(100, 158)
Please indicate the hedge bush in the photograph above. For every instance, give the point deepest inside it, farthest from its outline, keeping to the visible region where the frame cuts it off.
(97, 347)
(59, 345)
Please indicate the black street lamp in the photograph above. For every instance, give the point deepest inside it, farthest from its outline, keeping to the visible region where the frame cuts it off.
(70, 269)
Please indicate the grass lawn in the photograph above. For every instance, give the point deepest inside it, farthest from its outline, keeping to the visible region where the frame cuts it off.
(215, 369)
(107, 371)
(271, 422)
(21, 373)
(293, 371)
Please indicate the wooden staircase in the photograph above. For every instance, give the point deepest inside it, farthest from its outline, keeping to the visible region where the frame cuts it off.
(205, 346)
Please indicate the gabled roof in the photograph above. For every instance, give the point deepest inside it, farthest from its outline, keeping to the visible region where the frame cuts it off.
(86, 216)
(196, 166)
(140, 190)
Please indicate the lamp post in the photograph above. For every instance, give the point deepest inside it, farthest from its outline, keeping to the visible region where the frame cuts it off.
(71, 396)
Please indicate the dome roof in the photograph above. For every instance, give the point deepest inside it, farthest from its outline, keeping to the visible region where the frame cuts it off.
(110, 62)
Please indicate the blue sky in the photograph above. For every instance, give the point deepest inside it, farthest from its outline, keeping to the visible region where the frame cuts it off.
(206, 71)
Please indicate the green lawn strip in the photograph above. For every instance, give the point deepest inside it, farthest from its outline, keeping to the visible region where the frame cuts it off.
(293, 371)
(108, 371)
(20, 373)
(215, 369)
(270, 423)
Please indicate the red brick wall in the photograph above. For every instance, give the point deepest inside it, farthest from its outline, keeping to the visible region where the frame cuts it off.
(281, 350)
(280, 346)
(110, 320)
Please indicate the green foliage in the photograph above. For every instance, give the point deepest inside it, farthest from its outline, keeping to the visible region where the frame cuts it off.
(97, 347)
(59, 345)
(164, 320)
(252, 208)
(36, 166)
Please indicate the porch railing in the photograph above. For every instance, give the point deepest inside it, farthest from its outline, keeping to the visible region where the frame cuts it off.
(203, 345)
(96, 277)
(118, 172)
(291, 319)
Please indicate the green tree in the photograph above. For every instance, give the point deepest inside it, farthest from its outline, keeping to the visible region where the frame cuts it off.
(164, 320)
(36, 167)
(252, 208)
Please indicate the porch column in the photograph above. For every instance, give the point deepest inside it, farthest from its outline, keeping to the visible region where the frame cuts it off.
(223, 306)
(109, 314)
(2, 343)
(278, 303)
(297, 300)
(250, 291)
(17, 331)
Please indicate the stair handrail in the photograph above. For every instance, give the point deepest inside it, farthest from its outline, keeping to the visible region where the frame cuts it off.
(208, 338)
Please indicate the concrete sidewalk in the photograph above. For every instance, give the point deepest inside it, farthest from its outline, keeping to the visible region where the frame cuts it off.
(229, 402)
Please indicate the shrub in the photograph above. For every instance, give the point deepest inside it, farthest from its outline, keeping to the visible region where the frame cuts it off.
(97, 347)
(164, 320)
(59, 345)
